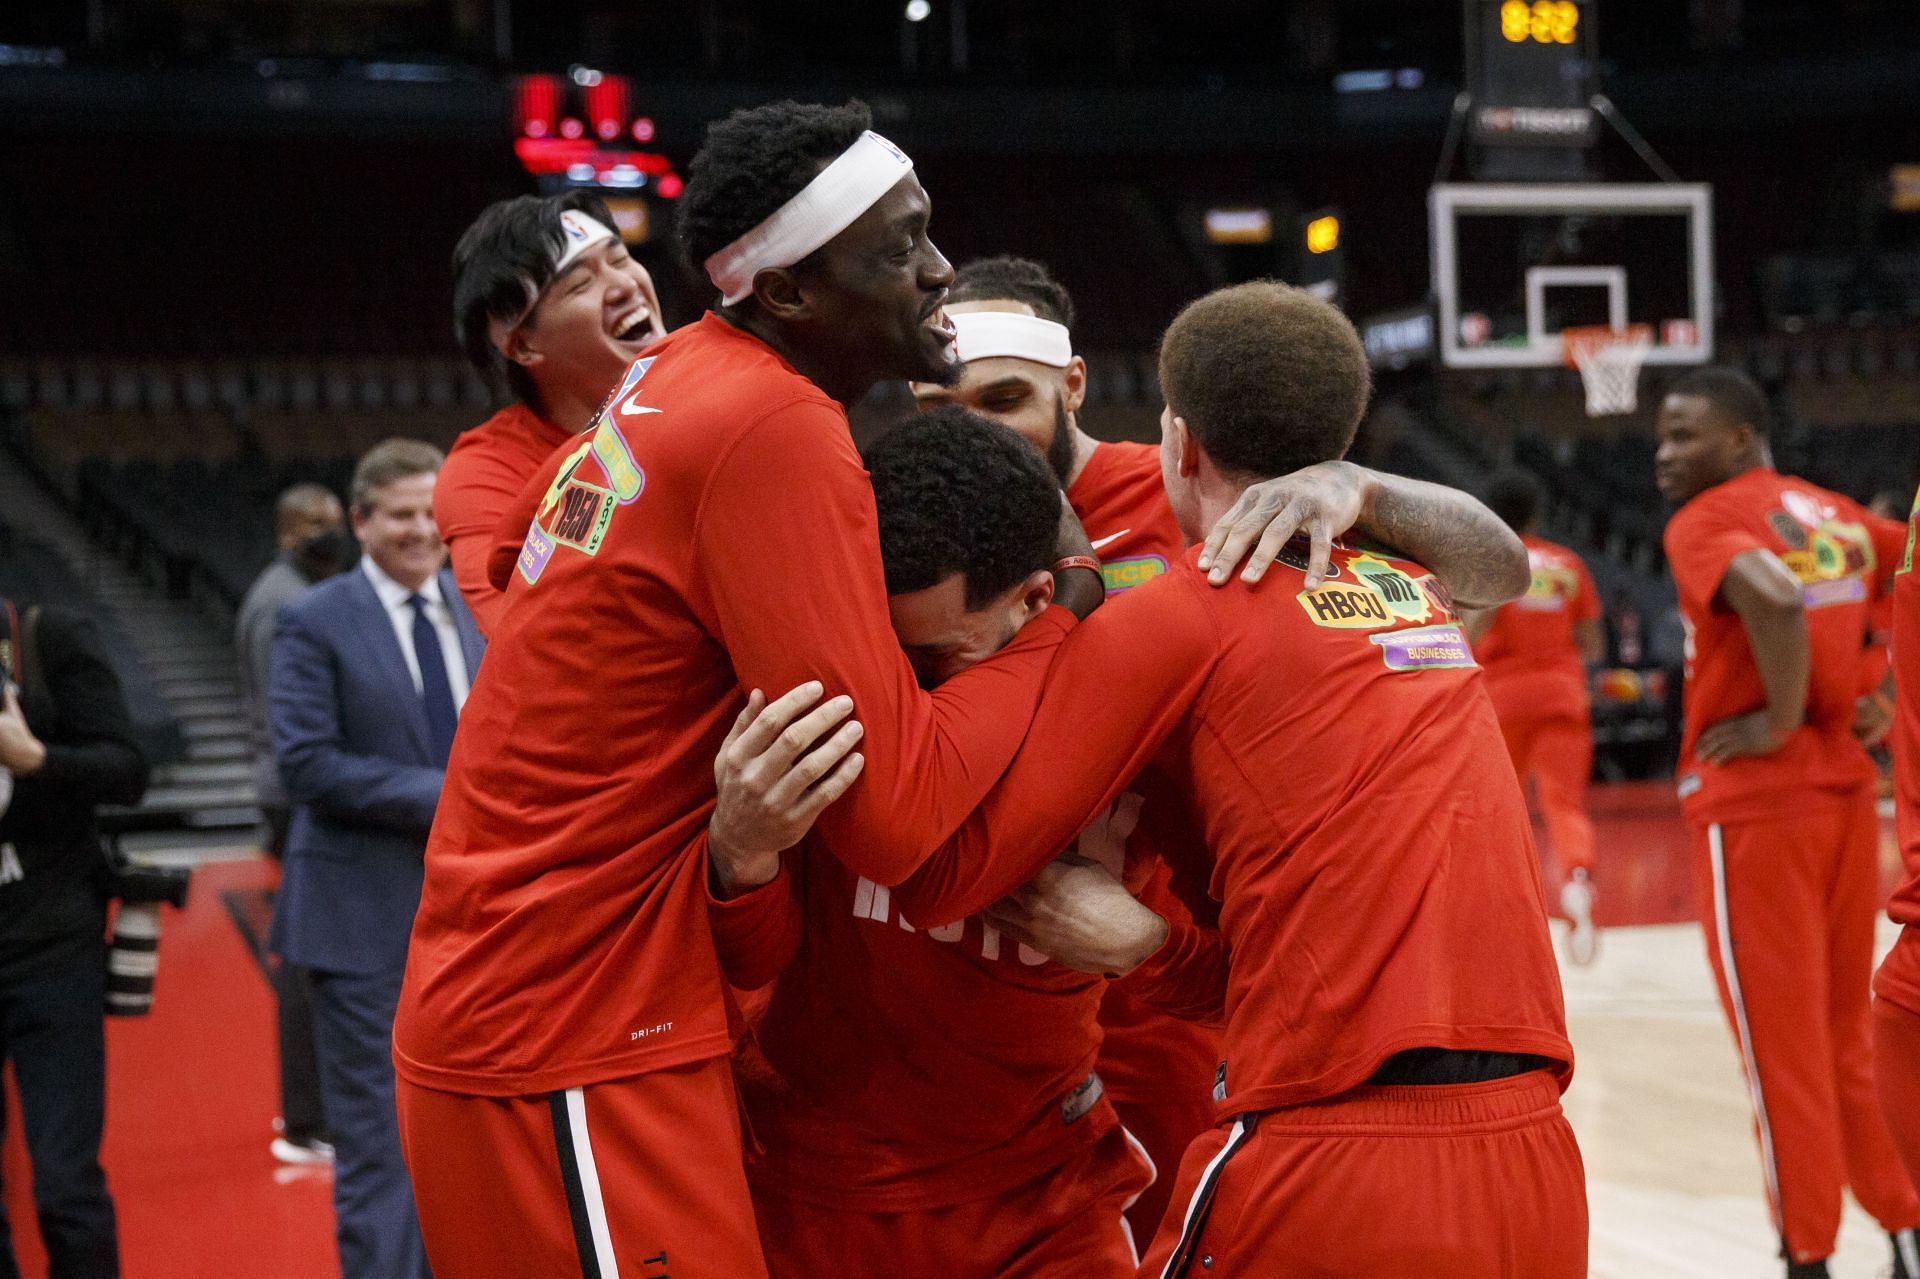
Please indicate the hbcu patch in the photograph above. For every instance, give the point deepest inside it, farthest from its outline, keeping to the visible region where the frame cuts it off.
(1124, 575)
(1425, 648)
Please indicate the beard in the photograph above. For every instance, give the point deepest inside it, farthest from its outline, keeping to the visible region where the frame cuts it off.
(1060, 452)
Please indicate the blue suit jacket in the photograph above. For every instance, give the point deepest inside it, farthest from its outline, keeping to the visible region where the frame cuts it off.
(351, 736)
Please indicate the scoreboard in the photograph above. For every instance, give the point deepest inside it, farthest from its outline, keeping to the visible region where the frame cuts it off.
(1530, 71)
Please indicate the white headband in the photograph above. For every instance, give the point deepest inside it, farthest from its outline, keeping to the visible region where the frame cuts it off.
(824, 208)
(980, 335)
(579, 233)
(582, 233)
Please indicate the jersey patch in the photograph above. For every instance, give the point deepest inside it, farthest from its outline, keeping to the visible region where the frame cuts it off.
(577, 511)
(1425, 648)
(1124, 575)
(1403, 596)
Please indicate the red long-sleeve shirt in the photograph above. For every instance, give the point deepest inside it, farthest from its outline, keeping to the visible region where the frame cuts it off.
(1842, 556)
(1905, 907)
(1367, 842)
(485, 471)
(715, 531)
(1529, 652)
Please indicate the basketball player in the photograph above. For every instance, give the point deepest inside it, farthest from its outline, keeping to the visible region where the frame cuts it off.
(926, 1102)
(566, 1100)
(976, 1141)
(1896, 1013)
(1014, 323)
(1775, 577)
(1395, 1041)
(550, 307)
(1535, 652)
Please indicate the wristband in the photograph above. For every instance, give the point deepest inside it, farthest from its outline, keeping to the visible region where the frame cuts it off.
(1066, 562)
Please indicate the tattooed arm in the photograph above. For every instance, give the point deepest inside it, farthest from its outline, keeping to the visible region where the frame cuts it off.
(1480, 561)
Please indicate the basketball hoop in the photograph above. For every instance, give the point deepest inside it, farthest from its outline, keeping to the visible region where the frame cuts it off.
(1609, 361)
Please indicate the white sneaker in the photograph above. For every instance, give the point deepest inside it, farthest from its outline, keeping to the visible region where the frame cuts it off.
(1576, 903)
(311, 1151)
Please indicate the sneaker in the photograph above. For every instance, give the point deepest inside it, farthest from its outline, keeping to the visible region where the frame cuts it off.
(1576, 903)
(1906, 1253)
(1807, 1269)
(311, 1150)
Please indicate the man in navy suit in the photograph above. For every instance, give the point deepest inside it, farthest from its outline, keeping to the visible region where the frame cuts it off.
(370, 670)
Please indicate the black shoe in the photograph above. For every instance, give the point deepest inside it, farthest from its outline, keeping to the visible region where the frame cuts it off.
(1807, 1269)
(1906, 1254)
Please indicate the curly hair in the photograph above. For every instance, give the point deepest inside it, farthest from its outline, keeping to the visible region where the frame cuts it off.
(753, 162)
(499, 267)
(957, 493)
(1017, 279)
(1734, 395)
(1517, 496)
(1269, 378)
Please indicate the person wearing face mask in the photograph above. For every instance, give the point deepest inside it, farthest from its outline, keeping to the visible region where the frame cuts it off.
(312, 532)
(551, 309)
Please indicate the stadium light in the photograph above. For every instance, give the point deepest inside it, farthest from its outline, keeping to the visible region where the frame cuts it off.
(918, 10)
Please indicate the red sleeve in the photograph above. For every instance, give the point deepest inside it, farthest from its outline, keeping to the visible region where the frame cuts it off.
(469, 497)
(1701, 540)
(1120, 687)
(757, 934)
(1586, 602)
(469, 555)
(787, 548)
(1186, 977)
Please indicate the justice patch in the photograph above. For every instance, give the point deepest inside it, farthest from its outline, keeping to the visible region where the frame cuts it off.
(624, 475)
(1124, 575)
(1425, 648)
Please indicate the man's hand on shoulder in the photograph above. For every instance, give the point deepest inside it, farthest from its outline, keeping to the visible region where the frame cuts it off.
(1323, 501)
(775, 775)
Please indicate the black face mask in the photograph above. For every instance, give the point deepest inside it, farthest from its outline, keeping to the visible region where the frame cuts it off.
(325, 554)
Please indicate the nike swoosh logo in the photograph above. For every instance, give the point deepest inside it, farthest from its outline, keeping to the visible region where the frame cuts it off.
(627, 406)
(1111, 538)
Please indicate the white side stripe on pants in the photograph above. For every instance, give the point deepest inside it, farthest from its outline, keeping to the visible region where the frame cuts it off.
(590, 1184)
(1195, 1216)
(1723, 929)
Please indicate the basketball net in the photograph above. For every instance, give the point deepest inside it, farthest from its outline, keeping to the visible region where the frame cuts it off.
(1609, 361)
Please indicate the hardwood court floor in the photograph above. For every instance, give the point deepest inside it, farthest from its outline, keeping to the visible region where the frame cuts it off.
(1657, 1099)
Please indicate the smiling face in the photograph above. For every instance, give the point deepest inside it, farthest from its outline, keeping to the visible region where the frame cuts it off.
(397, 532)
(589, 324)
(1699, 446)
(873, 294)
(1031, 398)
